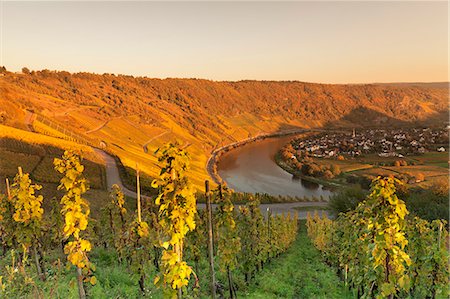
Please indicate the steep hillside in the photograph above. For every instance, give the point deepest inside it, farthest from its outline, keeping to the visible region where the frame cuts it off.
(128, 113)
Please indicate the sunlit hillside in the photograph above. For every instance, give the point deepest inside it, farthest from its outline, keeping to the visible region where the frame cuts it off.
(134, 116)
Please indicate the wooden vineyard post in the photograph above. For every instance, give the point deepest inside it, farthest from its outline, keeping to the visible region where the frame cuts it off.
(268, 233)
(81, 291)
(230, 278)
(210, 239)
(138, 190)
(346, 273)
(8, 191)
(439, 237)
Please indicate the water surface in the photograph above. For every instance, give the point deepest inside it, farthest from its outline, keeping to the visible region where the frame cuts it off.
(252, 168)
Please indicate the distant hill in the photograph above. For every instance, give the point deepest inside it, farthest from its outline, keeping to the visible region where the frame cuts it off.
(443, 85)
(127, 112)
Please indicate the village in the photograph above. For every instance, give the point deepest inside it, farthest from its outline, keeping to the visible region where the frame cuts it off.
(383, 142)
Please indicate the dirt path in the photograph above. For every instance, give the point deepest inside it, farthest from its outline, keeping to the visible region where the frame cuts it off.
(98, 128)
(153, 138)
(102, 125)
(113, 177)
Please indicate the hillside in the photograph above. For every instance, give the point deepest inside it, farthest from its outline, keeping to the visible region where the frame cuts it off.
(127, 113)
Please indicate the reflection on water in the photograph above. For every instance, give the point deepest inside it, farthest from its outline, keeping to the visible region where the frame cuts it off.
(309, 185)
(252, 168)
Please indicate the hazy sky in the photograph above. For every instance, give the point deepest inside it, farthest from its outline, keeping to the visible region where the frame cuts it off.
(330, 42)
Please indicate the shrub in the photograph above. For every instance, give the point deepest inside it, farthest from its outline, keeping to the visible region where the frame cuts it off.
(420, 177)
(335, 169)
(428, 205)
(328, 174)
(440, 187)
(346, 200)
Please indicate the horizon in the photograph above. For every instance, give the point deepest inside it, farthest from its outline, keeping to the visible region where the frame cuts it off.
(19, 71)
(324, 43)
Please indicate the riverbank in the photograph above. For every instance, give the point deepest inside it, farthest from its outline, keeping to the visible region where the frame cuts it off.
(330, 185)
(211, 164)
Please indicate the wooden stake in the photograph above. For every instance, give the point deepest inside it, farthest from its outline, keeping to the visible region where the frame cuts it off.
(210, 240)
(346, 273)
(7, 189)
(138, 189)
(439, 237)
(81, 292)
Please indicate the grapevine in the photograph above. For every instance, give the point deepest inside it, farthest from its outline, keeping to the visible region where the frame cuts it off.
(177, 209)
(75, 210)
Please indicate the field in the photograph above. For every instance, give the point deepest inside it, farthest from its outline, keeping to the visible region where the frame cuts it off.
(345, 165)
(432, 165)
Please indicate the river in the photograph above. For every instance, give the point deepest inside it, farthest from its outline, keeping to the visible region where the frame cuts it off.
(252, 168)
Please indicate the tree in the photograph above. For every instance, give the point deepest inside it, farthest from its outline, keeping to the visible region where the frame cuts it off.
(26, 71)
(420, 177)
(328, 174)
(346, 200)
(440, 187)
(335, 169)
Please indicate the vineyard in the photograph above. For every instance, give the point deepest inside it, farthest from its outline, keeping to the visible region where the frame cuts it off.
(37, 160)
(165, 247)
(380, 251)
(168, 248)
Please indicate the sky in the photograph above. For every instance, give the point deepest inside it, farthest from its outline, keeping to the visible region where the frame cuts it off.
(324, 42)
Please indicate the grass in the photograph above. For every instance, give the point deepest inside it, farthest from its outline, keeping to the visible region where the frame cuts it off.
(113, 280)
(298, 273)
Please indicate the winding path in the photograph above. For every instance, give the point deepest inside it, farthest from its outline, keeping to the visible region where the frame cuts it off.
(113, 177)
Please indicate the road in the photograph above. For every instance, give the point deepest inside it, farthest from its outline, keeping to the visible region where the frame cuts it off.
(113, 177)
